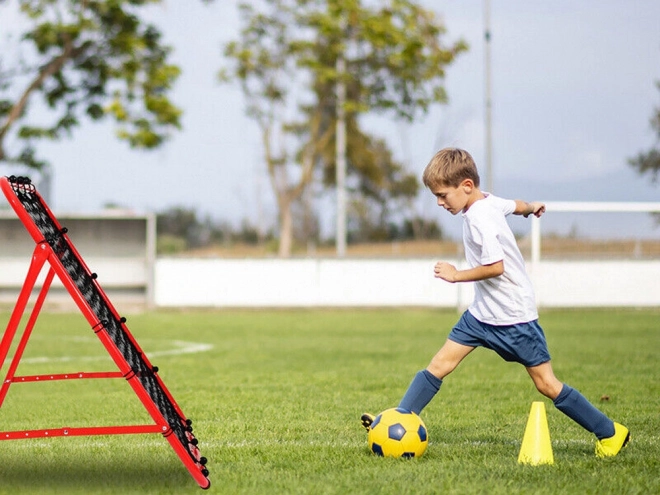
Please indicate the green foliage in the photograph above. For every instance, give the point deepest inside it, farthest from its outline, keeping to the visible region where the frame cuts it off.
(395, 61)
(93, 58)
(179, 229)
(276, 405)
(262, 58)
(167, 244)
(395, 58)
(415, 228)
(648, 163)
(363, 227)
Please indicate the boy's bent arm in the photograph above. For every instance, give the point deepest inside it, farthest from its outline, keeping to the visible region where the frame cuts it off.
(449, 273)
(526, 209)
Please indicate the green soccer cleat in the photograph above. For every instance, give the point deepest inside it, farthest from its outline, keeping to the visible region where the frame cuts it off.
(609, 447)
(367, 420)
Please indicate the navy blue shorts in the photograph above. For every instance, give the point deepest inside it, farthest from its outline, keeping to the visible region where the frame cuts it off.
(522, 343)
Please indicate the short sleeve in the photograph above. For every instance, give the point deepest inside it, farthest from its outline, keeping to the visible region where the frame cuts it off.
(506, 206)
(485, 235)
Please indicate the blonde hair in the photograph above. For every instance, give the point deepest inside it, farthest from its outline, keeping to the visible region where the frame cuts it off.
(450, 167)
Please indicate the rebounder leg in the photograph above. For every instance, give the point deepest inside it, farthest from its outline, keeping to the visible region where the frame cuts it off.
(54, 248)
(37, 263)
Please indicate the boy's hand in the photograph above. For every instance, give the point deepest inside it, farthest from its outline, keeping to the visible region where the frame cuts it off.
(537, 209)
(445, 271)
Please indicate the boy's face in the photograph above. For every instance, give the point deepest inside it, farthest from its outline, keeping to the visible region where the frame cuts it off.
(454, 199)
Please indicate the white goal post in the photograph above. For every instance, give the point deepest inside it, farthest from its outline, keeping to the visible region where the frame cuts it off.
(584, 207)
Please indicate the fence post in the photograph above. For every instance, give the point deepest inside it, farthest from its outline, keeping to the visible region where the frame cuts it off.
(536, 241)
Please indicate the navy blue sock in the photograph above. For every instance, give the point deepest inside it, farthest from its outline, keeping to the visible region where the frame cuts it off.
(421, 390)
(574, 405)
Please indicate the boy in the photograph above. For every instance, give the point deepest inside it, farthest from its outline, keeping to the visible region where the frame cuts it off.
(503, 316)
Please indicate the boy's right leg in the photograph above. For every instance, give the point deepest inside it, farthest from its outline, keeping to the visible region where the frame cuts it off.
(612, 437)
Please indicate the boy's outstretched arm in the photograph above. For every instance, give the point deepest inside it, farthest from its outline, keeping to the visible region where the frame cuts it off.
(526, 209)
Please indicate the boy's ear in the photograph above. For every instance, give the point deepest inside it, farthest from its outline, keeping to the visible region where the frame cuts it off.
(467, 185)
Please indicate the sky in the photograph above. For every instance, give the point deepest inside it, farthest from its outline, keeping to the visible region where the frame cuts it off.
(573, 92)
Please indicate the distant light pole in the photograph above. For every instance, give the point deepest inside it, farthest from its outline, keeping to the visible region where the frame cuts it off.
(340, 154)
(488, 98)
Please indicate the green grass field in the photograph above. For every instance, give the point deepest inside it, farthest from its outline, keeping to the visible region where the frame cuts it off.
(276, 403)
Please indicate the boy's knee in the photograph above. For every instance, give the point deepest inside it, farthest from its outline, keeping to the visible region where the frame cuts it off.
(436, 370)
(550, 388)
(545, 380)
(440, 368)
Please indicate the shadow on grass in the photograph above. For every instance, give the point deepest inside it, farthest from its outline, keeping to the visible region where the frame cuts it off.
(94, 476)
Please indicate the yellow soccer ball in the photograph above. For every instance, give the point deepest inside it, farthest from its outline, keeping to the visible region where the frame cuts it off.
(398, 433)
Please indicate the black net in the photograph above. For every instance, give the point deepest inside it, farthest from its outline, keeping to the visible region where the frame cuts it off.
(86, 284)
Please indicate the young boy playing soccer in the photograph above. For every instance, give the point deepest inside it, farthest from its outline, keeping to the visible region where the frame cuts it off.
(503, 316)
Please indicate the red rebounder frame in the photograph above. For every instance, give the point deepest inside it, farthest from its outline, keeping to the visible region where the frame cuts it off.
(55, 252)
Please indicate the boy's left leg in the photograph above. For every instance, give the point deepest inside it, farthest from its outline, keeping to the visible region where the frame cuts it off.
(426, 383)
(612, 437)
(421, 390)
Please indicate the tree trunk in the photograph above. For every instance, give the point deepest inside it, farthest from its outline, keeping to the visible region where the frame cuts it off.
(286, 229)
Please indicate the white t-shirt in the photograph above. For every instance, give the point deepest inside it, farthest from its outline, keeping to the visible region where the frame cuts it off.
(487, 237)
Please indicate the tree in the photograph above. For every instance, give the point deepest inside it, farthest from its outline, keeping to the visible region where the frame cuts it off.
(265, 68)
(649, 162)
(287, 57)
(92, 58)
(385, 59)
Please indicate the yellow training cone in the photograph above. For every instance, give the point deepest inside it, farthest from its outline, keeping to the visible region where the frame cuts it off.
(536, 448)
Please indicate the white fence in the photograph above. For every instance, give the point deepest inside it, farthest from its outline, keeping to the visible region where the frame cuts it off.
(406, 282)
(388, 282)
(308, 282)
